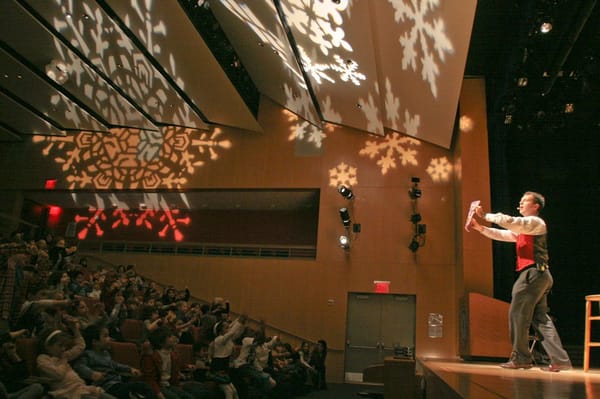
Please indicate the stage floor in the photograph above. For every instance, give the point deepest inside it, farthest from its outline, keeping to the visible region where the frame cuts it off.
(480, 380)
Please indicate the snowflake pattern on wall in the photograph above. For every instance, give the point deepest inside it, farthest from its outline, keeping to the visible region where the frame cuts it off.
(132, 158)
(426, 37)
(98, 220)
(343, 174)
(301, 130)
(392, 110)
(317, 71)
(129, 69)
(348, 70)
(439, 169)
(322, 23)
(391, 148)
(392, 105)
(329, 113)
(158, 217)
(300, 103)
(371, 111)
(321, 20)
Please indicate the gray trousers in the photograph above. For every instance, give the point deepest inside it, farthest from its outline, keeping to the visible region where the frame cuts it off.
(529, 307)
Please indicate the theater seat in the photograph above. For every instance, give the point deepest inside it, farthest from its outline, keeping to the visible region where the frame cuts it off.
(126, 353)
(186, 354)
(27, 349)
(132, 330)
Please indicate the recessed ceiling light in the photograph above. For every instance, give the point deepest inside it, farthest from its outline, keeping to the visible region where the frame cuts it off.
(546, 27)
(569, 108)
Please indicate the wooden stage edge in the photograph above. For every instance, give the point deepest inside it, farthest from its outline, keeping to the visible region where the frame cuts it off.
(450, 379)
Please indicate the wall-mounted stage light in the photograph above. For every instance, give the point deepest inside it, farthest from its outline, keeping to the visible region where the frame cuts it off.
(345, 216)
(346, 192)
(418, 239)
(414, 245)
(414, 191)
(415, 218)
(344, 242)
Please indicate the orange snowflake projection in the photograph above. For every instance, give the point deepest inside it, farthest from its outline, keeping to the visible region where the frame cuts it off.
(131, 158)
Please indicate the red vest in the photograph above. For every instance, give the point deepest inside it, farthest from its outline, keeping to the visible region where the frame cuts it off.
(524, 251)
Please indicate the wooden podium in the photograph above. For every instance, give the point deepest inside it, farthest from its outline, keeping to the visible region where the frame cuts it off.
(484, 328)
(399, 380)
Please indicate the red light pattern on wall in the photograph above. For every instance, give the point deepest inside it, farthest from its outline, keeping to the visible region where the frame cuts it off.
(166, 223)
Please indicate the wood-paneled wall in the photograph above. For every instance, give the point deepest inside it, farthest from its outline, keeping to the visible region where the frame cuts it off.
(308, 298)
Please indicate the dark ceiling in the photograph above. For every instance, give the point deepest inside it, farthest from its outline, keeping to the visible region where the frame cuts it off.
(532, 77)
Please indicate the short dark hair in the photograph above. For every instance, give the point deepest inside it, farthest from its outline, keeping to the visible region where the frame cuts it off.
(537, 198)
(91, 333)
(159, 336)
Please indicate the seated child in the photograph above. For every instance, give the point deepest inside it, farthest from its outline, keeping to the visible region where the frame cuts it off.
(13, 370)
(96, 365)
(53, 365)
(161, 368)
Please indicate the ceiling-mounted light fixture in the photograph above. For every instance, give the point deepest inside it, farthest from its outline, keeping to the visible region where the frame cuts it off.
(522, 81)
(569, 108)
(546, 26)
(345, 216)
(58, 71)
(346, 192)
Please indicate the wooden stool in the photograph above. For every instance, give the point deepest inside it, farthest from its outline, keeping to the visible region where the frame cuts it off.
(589, 299)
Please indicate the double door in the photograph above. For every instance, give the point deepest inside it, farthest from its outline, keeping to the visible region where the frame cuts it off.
(376, 324)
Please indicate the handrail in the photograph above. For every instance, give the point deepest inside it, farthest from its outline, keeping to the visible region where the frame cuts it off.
(201, 249)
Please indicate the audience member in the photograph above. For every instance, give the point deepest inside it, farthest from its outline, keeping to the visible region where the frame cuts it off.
(97, 366)
(56, 300)
(53, 364)
(13, 370)
(162, 368)
(317, 360)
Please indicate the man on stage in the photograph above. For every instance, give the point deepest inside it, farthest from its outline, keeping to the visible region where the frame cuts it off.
(528, 306)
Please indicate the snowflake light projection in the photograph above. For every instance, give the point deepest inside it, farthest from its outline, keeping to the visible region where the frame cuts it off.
(158, 218)
(322, 23)
(425, 29)
(343, 174)
(300, 103)
(92, 223)
(132, 158)
(388, 149)
(371, 111)
(439, 169)
(368, 107)
(124, 63)
(348, 70)
(321, 20)
(329, 112)
(301, 130)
